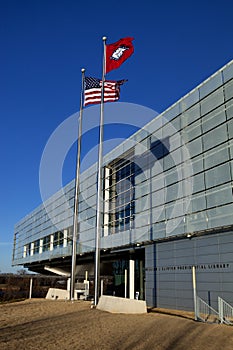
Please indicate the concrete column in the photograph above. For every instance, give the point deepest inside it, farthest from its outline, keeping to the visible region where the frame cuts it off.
(51, 242)
(101, 286)
(65, 238)
(30, 288)
(32, 249)
(25, 251)
(68, 284)
(131, 278)
(41, 246)
(125, 283)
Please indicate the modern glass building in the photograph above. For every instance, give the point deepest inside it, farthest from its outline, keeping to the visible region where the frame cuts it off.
(167, 205)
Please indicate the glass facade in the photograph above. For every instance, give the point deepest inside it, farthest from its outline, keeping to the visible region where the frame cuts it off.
(171, 178)
(118, 195)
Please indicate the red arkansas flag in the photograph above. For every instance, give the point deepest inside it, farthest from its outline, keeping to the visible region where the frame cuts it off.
(118, 52)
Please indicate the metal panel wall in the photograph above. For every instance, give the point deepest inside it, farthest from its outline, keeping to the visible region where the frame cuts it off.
(168, 268)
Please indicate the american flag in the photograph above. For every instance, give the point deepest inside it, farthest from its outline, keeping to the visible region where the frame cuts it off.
(93, 87)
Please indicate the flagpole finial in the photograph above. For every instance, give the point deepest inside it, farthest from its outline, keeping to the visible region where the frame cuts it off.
(104, 38)
(83, 70)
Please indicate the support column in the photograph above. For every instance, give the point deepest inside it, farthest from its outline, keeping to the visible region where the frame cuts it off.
(65, 238)
(194, 292)
(41, 246)
(51, 242)
(32, 249)
(68, 284)
(131, 277)
(30, 288)
(125, 283)
(24, 251)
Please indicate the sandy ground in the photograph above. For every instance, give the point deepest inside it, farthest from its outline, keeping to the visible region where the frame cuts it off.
(42, 324)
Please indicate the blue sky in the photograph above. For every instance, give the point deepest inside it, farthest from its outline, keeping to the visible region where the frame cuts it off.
(45, 43)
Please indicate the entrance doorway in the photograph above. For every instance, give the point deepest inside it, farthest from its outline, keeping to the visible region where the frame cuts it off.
(115, 274)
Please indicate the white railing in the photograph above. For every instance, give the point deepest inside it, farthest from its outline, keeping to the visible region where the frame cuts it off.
(205, 312)
(225, 312)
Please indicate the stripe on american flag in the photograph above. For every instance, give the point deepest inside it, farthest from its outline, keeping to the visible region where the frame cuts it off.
(93, 87)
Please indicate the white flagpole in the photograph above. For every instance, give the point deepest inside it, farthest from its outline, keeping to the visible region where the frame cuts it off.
(99, 185)
(77, 180)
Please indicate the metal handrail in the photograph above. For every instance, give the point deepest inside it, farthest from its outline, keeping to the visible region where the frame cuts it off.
(225, 312)
(205, 312)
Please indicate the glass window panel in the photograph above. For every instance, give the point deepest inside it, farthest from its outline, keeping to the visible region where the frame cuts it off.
(46, 243)
(197, 164)
(228, 88)
(91, 201)
(140, 177)
(140, 135)
(158, 214)
(194, 147)
(189, 99)
(190, 115)
(175, 227)
(142, 189)
(215, 137)
(175, 141)
(229, 109)
(220, 216)
(141, 219)
(158, 197)
(174, 209)
(159, 230)
(219, 195)
(197, 203)
(138, 205)
(172, 159)
(158, 149)
(58, 239)
(218, 175)
(216, 156)
(157, 183)
(173, 192)
(187, 188)
(211, 84)
(196, 221)
(231, 149)
(214, 118)
(168, 130)
(170, 176)
(146, 202)
(155, 126)
(198, 183)
(212, 101)
(230, 129)
(191, 132)
(172, 112)
(176, 123)
(228, 72)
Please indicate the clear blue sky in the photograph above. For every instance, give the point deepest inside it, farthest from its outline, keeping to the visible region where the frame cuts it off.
(45, 43)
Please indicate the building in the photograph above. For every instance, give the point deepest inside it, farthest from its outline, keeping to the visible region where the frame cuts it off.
(167, 206)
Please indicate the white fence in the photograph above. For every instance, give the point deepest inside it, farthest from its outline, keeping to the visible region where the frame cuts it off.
(225, 312)
(205, 313)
